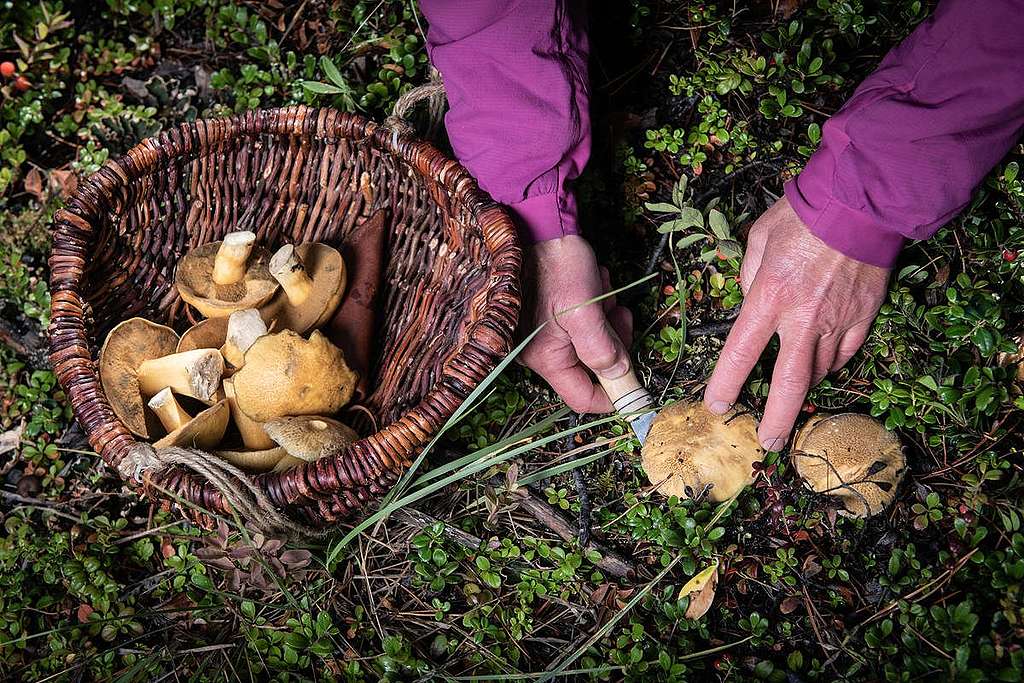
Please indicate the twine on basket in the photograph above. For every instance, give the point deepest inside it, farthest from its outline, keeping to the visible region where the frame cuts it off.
(433, 93)
(239, 492)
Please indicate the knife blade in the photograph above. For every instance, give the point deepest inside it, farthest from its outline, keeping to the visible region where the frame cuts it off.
(632, 401)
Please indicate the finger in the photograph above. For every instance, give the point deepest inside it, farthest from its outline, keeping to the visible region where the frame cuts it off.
(851, 343)
(791, 379)
(597, 345)
(824, 358)
(749, 335)
(578, 390)
(752, 259)
(621, 319)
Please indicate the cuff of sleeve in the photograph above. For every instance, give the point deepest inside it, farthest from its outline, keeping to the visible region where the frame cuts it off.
(846, 230)
(546, 216)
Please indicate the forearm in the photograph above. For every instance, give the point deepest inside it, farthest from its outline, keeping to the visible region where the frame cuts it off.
(905, 153)
(516, 78)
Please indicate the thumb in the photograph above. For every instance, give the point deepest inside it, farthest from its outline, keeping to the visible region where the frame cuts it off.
(596, 343)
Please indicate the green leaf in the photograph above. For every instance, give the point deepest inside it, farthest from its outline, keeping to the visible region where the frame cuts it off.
(679, 191)
(691, 217)
(660, 207)
(332, 73)
(322, 88)
(730, 248)
(690, 240)
(719, 224)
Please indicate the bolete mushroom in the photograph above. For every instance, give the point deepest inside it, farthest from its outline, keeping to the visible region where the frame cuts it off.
(690, 451)
(852, 457)
(287, 462)
(253, 436)
(312, 278)
(194, 373)
(244, 328)
(254, 461)
(126, 347)
(205, 334)
(285, 374)
(222, 277)
(166, 407)
(204, 431)
(309, 437)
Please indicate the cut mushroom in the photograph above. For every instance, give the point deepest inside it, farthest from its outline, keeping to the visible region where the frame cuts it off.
(194, 278)
(852, 457)
(190, 373)
(253, 436)
(232, 256)
(254, 461)
(285, 374)
(309, 437)
(690, 451)
(172, 416)
(312, 278)
(204, 431)
(127, 346)
(244, 328)
(205, 334)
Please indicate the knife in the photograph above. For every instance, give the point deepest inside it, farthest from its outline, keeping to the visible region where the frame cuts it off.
(632, 401)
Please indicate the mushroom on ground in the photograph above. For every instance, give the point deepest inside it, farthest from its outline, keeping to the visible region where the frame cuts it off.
(285, 374)
(127, 346)
(205, 334)
(852, 457)
(312, 277)
(254, 461)
(242, 267)
(253, 436)
(309, 437)
(166, 407)
(690, 450)
(244, 328)
(204, 431)
(194, 373)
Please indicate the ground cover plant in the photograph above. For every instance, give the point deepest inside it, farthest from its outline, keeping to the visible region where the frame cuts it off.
(528, 545)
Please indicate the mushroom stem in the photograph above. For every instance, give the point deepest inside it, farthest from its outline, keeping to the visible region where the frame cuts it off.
(288, 269)
(229, 264)
(172, 415)
(244, 328)
(190, 373)
(253, 436)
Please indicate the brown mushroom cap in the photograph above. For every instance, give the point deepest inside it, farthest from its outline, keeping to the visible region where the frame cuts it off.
(852, 457)
(127, 346)
(194, 280)
(285, 374)
(309, 437)
(288, 462)
(325, 267)
(204, 431)
(205, 334)
(690, 450)
(254, 461)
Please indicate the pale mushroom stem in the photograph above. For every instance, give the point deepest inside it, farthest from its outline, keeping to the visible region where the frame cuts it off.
(244, 328)
(288, 269)
(229, 264)
(172, 415)
(253, 435)
(189, 373)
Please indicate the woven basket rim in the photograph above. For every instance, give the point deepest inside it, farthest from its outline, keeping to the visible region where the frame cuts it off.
(75, 228)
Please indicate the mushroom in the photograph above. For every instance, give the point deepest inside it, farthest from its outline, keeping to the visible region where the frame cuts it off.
(204, 431)
(126, 347)
(254, 461)
(244, 328)
(288, 462)
(235, 257)
(253, 436)
(194, 373)
(309, 437)
(690, 450)
(852, 457)
(285, 374)
(312, 278)
(205, 334)
(167, 408)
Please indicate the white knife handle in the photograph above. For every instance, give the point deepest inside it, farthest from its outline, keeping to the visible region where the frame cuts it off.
(627, 395)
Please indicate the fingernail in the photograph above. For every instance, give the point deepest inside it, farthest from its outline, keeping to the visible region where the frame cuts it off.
(773, 444)
(719, 407)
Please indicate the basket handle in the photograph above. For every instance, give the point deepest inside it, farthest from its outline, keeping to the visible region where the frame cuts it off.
(433, 93)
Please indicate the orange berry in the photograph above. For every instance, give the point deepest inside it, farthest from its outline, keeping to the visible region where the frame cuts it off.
(7, 69)
(22, 84)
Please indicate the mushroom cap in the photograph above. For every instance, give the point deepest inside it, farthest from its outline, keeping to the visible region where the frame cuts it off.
(309, 437)
(852, 457)
(288, 462)
(690, 449)
(127, 346)
(194, 280)
(205, 334)
(254, 461)
(325, 266)
(285, 374)
(204, 431)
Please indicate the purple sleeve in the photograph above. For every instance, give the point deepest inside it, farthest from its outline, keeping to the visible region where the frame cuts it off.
(516, 76)
(904, 154)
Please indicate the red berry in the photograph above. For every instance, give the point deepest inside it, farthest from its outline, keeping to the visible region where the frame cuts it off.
(809, 407)
(668, 290)
(7, 69)
(22, 84)
(1009, 255)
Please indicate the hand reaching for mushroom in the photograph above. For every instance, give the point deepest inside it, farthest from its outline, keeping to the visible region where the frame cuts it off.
(563, 273)
(820, 302)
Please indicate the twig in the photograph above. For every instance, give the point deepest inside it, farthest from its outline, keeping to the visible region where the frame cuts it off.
(583, 532)
(420, 520)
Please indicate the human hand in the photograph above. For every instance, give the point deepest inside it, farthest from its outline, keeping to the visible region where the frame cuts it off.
(820, 302)
(564, 273)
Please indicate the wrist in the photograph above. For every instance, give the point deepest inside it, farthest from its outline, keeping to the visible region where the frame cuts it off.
(546, 216)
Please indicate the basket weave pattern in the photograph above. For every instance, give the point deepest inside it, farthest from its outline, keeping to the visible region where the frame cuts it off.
(450, 292)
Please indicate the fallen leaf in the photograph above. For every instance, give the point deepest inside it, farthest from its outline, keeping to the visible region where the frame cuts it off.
(84, 611)
(34, 184)
(11, 439)
(790, 604)
(701, 591)
(64, 182)
(786, 8)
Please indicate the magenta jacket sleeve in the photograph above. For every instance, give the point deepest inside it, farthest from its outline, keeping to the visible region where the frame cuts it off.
(905, 153)
(516, 76)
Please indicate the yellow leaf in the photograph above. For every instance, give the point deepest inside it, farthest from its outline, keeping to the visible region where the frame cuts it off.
(701, 591)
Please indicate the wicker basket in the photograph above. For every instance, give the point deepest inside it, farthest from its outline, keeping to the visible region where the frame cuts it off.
(450, 294)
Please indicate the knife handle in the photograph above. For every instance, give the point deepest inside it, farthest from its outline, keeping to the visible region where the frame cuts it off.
(629, 397)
